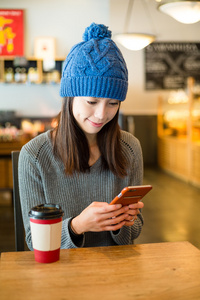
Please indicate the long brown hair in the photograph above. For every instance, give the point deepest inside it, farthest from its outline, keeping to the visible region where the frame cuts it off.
(71, 145)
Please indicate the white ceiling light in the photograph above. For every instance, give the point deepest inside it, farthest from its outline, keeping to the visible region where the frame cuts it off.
(187, 12)
(135, 41)
(131, 40)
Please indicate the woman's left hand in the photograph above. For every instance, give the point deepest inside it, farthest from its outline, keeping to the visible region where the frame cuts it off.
(133, 212)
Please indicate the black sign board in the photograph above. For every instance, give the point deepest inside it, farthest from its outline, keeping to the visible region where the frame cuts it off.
(168, 65)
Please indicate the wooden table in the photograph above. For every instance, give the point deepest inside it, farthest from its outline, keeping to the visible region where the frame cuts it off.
(150, 271)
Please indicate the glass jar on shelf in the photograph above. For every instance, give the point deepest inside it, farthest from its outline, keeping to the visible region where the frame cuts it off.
(18, 75)
(23, 75)
(9, 75)
(33, 75)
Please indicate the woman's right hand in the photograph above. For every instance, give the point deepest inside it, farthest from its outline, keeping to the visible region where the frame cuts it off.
(100, 216)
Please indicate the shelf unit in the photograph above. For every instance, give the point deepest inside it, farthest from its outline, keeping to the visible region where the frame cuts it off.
(30, 69)
(179, 135)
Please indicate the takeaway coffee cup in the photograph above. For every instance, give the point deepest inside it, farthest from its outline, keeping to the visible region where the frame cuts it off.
(46, 229)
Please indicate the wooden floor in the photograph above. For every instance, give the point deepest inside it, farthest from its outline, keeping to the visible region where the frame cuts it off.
(171, 212)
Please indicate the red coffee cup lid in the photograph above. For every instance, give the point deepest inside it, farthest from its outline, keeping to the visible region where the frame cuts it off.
(46, 212)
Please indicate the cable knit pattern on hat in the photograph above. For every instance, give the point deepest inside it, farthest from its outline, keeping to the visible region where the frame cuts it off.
(95, 67)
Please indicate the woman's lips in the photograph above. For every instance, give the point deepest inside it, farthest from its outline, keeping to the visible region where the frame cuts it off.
(95, 124)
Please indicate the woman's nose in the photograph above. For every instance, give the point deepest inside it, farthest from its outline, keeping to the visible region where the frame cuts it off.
(100, 112)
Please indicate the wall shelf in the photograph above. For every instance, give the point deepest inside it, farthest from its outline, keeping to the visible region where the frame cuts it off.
(30, 69)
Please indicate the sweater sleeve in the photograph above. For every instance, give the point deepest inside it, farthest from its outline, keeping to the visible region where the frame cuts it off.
(32, 194)
(127, 234)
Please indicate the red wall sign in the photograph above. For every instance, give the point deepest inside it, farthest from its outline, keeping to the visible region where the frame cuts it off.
(11, 32)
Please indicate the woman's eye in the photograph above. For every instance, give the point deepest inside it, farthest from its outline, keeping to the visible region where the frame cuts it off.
(91, 102)
(114, 103)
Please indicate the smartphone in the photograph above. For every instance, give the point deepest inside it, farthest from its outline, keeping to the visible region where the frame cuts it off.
(131, 194)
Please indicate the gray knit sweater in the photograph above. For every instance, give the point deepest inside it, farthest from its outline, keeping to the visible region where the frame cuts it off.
(42, 180)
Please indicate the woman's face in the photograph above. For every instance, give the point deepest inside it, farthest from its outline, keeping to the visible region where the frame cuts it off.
(93, 113)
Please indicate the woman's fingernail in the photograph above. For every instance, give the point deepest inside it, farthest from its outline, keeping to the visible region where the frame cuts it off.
(119, 205)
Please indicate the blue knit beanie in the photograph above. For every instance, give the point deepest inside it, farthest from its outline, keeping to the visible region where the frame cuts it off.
(95, 67)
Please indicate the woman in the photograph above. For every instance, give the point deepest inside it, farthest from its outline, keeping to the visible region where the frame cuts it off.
(86, 160)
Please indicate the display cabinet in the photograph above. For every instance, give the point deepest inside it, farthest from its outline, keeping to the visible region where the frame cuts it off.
(6, 164)
(13, 139)
(179, 133)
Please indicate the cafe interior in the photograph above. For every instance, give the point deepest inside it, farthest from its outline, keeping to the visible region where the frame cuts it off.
(161, 47)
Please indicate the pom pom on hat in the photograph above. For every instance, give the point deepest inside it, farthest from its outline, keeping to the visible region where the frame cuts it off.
(95, 67)
(96, 31)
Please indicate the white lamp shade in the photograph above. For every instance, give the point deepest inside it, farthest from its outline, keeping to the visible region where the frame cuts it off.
(134, 41)
(187, 12)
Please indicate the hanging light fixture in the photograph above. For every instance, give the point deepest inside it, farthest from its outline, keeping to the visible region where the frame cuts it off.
(135, 41)
(187, 12)
(130, 40)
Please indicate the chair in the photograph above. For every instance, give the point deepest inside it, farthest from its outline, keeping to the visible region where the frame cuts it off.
(18, 221)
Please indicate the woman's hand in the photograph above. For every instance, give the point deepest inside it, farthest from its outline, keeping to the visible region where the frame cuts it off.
(100, 216)
(132, 212)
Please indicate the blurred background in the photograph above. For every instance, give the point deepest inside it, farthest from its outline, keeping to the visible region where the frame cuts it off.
(162, 108)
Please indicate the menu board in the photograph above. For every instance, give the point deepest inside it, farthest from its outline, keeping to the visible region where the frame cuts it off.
(168, 65)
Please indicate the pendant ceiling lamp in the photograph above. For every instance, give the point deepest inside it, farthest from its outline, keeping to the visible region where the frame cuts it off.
(130, 40)
(187, 12)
